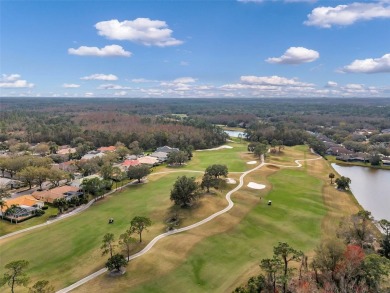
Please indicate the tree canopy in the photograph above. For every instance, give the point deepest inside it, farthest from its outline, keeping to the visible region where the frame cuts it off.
(184, 191)
(15, 274)
(138, 224)
(343, 182)
(138, 172)
(116, 262)
(217, 170)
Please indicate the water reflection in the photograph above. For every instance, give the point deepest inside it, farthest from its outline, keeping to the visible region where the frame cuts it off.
(371, 188)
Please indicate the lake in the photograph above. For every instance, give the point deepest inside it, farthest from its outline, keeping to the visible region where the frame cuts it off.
(233, 133)
(371, 188)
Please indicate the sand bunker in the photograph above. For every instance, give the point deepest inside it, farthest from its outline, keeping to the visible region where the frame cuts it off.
(255, 185)
(218, 148)
(251, 162)
(230, 181)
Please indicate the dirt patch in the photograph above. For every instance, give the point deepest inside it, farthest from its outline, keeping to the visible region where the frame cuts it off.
(273, 167)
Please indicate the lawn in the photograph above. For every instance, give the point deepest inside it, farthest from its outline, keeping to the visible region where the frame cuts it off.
(70, 248)
(235, 242)
(215, 257)
(66, 250)
(232, 158)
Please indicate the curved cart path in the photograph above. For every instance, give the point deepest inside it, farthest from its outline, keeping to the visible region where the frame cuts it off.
(163, 235)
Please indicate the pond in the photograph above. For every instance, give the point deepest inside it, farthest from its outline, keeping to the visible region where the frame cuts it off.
(234, 133)
(371, 188)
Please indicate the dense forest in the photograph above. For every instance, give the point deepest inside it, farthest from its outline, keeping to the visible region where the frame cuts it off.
(193, 122)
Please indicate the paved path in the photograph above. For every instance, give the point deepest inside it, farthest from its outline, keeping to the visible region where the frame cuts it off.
(163, 235)
(157, 238)
(86, 206)
(208, 219)
(63, 216)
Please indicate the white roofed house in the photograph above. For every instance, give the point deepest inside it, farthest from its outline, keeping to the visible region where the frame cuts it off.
(92, 154)
(7, 183)
(161, 156)
(166, 149)
(148, 160)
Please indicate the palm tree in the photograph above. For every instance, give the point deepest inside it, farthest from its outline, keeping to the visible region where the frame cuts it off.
(3, 204)
(331, 176)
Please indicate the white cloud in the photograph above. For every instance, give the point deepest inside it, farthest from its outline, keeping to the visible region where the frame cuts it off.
(14, 81)
(354, 86)
(89, 94)
(111, 50)
(100, 76)
(121, 93)
(331, 84)
(370, 65)
(347, 14)
(70, 85)
(10, 77)
(143, 80)
(272, 80)
(141, 30)
(184, 63)
(179, 84)
(295, 55)
(113, 87)
(184, 80)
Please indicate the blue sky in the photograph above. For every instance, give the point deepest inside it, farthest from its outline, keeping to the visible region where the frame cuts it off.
(248, 48)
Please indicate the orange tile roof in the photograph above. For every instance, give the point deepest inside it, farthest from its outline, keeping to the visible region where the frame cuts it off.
(128, 163)
(107, 149)
(66, 151)
(52, 194)
(25, 200)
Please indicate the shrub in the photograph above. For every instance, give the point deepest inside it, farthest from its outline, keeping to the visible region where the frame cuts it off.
(39, 213)
(45, 207)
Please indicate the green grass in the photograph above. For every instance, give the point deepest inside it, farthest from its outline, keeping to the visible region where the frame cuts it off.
(66, 251)
(294, 217)
(57, 250)
(229, 157)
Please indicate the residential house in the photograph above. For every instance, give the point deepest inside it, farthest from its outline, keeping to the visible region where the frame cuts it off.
(91, 155)
(385, 131)
(66, 151)
(338, 151)
(132, 157)
(129, 163)
(148, 160)
(167, 149)
(69, 166)
(161, 156)
(50, 195)
(107, 149)
(77, 182)
(10, 183)
(25, 207)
